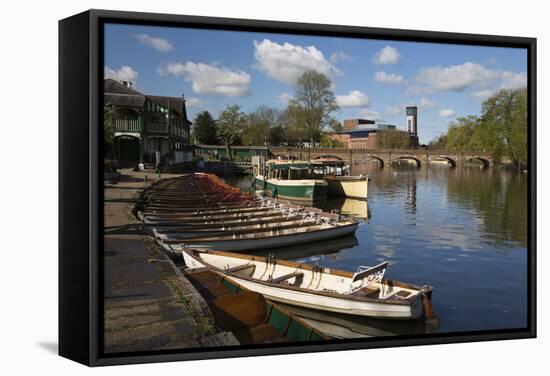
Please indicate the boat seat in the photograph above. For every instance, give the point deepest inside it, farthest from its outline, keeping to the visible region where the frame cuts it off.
(286, 277)
(240, 268)
(366, 292)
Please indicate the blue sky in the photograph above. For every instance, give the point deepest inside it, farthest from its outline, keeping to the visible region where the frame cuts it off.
(373, 79)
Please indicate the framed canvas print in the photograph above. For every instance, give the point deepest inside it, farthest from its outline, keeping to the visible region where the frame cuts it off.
(239, 187)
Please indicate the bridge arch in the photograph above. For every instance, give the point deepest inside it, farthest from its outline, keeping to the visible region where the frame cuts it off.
(410, 158)
(451, 161)
(368, 158)
(486, 163)
(328, 156)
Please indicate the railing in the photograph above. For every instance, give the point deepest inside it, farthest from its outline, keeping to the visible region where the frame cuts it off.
(123, 125)
(157, 127)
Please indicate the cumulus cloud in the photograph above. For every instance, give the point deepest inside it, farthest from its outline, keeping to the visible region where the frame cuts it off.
(426, 104)
(389, 78)
(210, 79)
(157, 43)
(387, 55)
(340, 56)
(369, 114)
(355, 98)
(447, 112)
(483, 94)
(467, 76)
(193, 102)
(124, 73)
(286, 62)
(395, 110)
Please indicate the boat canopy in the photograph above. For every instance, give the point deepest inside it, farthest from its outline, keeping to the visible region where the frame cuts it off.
(295, 165)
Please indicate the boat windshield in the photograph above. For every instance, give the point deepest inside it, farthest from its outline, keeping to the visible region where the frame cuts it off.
(296, 170)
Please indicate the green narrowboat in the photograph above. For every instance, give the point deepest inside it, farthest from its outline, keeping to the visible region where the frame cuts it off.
(291, 180)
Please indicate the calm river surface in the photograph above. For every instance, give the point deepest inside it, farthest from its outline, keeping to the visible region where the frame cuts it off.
(462, 231)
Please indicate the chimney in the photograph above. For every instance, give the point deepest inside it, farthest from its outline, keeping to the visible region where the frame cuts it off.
(128, 84)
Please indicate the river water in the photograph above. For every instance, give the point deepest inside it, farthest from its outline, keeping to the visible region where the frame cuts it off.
(462, 231)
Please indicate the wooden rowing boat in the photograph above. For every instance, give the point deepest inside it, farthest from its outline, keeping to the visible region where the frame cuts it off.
(265, 240)
(175, 228)
(241, 229)
(364, 293)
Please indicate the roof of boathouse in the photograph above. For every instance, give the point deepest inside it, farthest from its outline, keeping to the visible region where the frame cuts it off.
(121, 95)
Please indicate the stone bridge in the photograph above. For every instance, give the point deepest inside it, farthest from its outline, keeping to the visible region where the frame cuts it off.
(422, 157)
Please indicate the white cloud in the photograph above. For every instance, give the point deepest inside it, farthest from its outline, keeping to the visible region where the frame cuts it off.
(157, 43)
(369, 114)
(340, 56)
(389, 78)
(387, 55)
(426, 104)
(447, 112)
(395, 110)
(193, 102)
(483, 94)
(284, 98)
(511, 80)
(459, 78)
(455, 77)
(125, 73)
(286, 62)
(210, 79)
(355, 98)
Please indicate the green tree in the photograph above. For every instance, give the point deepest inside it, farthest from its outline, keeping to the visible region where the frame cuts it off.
(259, 123)
(500, 130)
(204, 129)
(231, 123)
(393, 139)
(276, 135)
(335, 125)
(460, 134)
(312, 104)
(440, 142)
(328, 142)
(507, 111)
(110, 115)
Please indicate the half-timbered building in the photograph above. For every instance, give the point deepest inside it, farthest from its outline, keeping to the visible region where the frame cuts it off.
(148, 128)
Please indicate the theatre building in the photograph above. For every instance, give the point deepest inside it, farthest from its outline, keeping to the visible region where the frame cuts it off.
(365, 133)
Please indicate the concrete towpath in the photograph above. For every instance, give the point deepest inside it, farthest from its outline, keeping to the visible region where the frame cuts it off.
(149, 304)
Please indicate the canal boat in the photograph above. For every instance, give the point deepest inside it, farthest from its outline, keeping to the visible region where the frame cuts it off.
(364, 293)
(267, 239)
(291, 180)
(340, 183)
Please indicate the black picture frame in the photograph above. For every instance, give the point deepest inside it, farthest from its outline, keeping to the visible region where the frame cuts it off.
(81, 183)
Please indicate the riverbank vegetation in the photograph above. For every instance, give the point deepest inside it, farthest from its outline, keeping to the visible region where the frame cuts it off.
(501, 129)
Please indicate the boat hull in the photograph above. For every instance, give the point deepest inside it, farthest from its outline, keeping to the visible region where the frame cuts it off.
(349, 187)
(334, 304)
(308, 190)
(273, 241)
(324, 303)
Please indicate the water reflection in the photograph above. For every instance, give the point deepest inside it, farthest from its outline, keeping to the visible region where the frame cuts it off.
(350, 206)
(312, 252)
(347, 326)
(463, 231)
